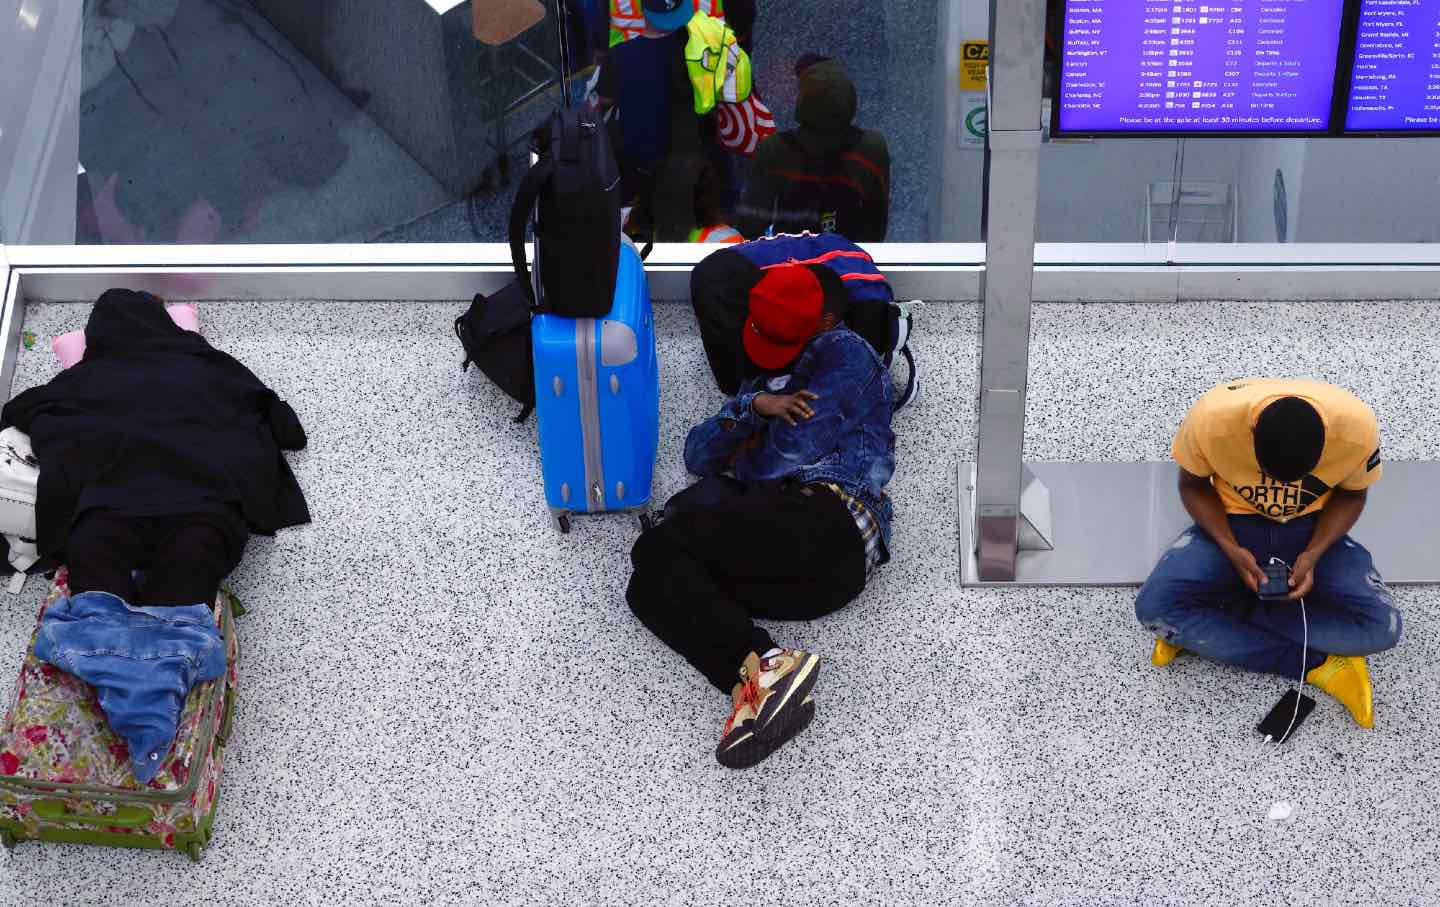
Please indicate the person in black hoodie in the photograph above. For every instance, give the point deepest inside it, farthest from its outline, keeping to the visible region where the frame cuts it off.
(157, 453)
(825, 176)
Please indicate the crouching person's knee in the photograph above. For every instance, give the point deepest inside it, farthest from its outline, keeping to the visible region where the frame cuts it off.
(1151, 606)
(1387, 624)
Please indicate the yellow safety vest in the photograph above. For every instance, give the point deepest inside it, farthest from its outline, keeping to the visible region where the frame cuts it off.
(719, 69)
(627, 17)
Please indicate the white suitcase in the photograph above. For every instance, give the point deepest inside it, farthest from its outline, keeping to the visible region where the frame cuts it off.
(19, 474)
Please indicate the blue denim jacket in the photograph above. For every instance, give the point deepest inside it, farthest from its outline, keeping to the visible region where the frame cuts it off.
(847, 442)
(142, 662)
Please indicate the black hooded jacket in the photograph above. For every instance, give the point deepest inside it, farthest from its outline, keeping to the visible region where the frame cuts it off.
(826, 113)
(155, 421)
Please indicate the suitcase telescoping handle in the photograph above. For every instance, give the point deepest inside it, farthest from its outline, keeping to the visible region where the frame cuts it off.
(122, 817)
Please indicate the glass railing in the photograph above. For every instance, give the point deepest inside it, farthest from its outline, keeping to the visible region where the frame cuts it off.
(268, 121)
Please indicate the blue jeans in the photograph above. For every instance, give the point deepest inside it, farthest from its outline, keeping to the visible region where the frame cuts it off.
(142, 662)
(1194, 599)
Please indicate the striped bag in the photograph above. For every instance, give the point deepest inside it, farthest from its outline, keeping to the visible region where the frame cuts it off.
(741, 126)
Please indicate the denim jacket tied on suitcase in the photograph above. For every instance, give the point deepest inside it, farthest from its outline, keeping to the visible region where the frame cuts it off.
(848, 442)
(142, 662)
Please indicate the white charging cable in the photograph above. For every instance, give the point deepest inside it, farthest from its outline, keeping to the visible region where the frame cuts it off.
(1304, 651)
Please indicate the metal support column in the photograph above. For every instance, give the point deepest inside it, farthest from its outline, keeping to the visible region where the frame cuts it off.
(1012, 172)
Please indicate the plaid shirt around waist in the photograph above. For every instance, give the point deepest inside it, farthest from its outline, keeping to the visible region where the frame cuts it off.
(869, 529)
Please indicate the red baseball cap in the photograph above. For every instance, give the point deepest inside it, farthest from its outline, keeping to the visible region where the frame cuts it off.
(785, 310)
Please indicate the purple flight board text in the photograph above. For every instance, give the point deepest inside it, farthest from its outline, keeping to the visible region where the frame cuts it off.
(1395, 84)
(1156, 66)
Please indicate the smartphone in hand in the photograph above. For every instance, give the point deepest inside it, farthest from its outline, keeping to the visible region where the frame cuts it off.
(1277, 583)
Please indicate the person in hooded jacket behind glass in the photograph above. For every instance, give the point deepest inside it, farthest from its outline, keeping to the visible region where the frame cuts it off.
(158, 453)
(827, 175)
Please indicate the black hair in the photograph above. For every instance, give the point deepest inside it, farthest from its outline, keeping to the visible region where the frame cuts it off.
(1289, 438)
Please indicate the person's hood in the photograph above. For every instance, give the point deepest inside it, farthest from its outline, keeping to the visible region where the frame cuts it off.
(126, 320)
(827, 102)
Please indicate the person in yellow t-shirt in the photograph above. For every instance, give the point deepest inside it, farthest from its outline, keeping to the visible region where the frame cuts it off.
(1275, 470)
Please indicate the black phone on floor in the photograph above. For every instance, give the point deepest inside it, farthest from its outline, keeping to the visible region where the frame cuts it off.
(1277, 582)
(1285, 717)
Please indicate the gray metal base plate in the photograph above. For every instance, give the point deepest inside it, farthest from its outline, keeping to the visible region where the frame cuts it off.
(1111, 521)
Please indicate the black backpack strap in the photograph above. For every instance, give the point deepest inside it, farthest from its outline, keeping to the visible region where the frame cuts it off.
(569, 138)
(525, 197)
(912, 384)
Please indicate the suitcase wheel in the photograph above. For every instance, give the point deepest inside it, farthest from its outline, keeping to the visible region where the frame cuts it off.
(647, 522)
(8, 839)
(195, 851)
(562, 522)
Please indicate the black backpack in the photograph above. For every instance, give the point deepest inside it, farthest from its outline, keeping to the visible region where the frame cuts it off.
(495, 332)
(822, 197)
(574, 191)
(720, 289)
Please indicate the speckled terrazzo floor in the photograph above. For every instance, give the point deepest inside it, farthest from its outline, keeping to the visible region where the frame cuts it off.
(444, 701)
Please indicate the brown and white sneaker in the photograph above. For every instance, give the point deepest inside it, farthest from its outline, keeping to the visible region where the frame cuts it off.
(772, 704)
(741, 747)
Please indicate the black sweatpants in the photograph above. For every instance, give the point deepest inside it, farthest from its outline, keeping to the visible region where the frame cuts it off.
(791, 553)
(184, 558)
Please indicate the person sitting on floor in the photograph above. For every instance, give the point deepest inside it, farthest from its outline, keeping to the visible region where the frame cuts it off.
(799, 529)
(1275, 470)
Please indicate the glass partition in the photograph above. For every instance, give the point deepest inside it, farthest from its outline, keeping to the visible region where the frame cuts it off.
(269, 121)
(266, 121)
(1352, 190)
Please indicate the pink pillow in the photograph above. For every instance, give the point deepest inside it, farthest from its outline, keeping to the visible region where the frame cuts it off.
(70, 348)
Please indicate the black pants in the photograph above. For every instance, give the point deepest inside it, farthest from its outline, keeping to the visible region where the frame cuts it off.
(184, 558)
(702, 576)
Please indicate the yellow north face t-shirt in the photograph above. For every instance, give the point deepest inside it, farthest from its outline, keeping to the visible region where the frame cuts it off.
(1216, 440)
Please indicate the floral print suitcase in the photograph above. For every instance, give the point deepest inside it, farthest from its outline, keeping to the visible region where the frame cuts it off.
(65, 776)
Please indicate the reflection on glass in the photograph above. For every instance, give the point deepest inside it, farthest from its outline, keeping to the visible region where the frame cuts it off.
(1226, 190)
(238, 121)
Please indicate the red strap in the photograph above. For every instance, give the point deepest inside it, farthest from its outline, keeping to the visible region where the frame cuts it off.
(821, 259)
(857, 158)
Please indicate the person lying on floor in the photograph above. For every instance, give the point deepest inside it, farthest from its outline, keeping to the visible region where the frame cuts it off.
(1275, 470)
(159, 455)
(798, 530)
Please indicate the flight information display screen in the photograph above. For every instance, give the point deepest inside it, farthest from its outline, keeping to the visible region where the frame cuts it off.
(1177, 66)
(1395, 77)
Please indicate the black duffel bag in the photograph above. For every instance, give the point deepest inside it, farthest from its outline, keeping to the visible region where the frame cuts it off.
(495, 332)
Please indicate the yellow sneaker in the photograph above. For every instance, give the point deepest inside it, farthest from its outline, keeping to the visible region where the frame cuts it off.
(1347, 679)
(1163, 653)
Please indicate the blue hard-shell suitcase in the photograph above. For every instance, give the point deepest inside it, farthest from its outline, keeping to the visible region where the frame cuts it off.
(597, 399)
